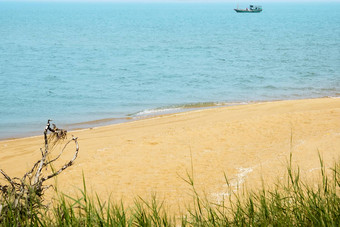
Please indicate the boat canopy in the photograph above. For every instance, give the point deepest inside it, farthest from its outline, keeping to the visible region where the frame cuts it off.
(252, 7)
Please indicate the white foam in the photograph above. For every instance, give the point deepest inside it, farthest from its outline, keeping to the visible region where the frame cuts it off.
(156, 111)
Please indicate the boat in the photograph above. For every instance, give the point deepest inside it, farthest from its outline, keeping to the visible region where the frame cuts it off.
(252, 9)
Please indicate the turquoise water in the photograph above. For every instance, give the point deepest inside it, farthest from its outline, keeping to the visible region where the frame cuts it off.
(77, 62)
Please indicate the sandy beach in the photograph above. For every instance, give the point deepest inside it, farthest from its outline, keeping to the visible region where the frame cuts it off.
(246, 142)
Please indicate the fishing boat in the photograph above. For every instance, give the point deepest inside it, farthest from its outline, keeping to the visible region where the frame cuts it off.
(252, 9)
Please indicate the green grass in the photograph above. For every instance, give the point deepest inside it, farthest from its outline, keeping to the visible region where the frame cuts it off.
(290, 202)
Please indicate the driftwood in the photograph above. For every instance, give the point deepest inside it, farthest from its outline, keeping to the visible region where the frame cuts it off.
(20, 193)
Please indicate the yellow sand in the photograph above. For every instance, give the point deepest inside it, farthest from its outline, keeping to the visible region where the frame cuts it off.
(148, 156)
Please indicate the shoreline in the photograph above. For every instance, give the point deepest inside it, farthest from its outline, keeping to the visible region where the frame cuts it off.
(147, 114)
(141, 115)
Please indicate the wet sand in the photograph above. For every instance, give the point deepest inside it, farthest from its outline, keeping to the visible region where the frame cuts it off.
(248, 143)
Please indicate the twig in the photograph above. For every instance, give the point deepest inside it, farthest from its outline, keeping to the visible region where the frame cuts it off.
(30, 187)
(66, 165)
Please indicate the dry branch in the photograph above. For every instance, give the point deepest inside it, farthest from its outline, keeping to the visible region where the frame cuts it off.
(19, 193)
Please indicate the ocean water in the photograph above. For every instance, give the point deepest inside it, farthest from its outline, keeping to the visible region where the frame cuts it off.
(82, 62)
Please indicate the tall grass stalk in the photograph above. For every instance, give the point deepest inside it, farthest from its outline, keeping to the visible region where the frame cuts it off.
(292, 202)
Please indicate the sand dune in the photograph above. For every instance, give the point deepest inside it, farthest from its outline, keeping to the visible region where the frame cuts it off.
(246, 142)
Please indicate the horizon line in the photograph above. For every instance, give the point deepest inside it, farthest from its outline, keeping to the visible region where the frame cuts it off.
(173, 1)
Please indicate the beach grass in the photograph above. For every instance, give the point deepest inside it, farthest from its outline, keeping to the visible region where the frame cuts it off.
(290, 202)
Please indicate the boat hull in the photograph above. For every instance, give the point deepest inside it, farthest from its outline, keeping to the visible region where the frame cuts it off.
(247, 11)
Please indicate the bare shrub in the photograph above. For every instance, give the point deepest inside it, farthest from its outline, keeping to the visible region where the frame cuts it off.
(21, 197)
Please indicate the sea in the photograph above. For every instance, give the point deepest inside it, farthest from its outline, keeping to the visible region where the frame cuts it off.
(89, 64)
